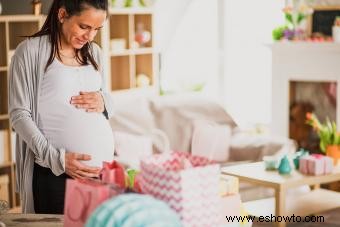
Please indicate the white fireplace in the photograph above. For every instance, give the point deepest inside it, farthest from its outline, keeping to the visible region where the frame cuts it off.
(305, 62)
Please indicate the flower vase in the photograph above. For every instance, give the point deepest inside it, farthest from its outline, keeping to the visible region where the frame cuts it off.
(333, 151)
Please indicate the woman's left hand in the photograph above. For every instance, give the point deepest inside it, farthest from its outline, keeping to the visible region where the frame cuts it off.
(90, 101)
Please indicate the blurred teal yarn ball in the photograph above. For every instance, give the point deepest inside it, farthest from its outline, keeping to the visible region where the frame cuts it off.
(133, 210)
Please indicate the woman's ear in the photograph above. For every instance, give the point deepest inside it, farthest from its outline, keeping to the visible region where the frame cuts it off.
(62, 14)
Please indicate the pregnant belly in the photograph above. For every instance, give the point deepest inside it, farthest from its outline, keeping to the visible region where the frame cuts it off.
(81, 132)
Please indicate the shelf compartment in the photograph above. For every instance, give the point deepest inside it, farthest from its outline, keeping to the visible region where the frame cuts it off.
(144, 65)
(3, 57)
(18, 31)
(119, 28)
(3, 93)
(120, 73)
(146, 20)
(3, 101)
(4, 124)
(3, 68)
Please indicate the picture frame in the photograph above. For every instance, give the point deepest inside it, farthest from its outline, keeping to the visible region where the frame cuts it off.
(322, 19)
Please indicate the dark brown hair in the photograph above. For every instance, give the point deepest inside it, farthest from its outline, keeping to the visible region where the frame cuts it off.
(52, 27)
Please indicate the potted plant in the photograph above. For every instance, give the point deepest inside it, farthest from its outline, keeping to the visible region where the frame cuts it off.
(296, 14)
(328, 134)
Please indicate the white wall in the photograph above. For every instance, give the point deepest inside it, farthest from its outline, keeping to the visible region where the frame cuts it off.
(247, 59)
(186, 35)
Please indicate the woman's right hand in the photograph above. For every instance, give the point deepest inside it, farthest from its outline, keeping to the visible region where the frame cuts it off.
(78, 170)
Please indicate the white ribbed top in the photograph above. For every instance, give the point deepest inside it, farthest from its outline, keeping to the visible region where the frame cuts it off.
(64, 125)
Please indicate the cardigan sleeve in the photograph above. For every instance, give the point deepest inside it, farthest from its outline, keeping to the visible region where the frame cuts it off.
(109, 108)
(21, 92)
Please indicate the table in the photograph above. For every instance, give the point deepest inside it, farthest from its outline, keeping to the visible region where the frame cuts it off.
(314, 202)
(32, 220)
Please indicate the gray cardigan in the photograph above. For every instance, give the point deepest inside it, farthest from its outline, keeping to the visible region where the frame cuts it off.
(26, 70)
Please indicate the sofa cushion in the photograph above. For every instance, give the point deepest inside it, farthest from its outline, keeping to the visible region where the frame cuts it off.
(132, 114)
(176, 114)
(211, 140)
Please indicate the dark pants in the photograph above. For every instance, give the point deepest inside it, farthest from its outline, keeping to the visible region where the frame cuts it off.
(48, 191)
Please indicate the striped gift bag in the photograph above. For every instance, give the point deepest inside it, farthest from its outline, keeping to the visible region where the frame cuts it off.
(189, 184)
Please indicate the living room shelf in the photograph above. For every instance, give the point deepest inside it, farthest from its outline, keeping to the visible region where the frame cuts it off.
(13, 30)
(127, 58)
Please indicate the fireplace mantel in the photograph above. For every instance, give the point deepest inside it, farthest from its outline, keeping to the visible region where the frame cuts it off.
(300, 61)
(287, 46)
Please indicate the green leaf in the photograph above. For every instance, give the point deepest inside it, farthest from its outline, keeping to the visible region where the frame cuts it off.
(289, 18)
(300, 18)
(142, 3)
(277, 32)
(322, 146)
(128, 3)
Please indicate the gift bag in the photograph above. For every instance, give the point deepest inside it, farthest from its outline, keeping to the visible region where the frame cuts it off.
(82, 197)
(189, 184)
(113, 173)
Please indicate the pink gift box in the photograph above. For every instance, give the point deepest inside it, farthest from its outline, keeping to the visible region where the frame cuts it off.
(82, 197)
(316, 164)
(113, 173)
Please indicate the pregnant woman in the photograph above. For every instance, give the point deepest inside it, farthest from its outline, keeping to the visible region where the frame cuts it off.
(58, 105)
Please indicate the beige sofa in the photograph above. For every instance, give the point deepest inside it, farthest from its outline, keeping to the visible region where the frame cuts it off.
(168, 121)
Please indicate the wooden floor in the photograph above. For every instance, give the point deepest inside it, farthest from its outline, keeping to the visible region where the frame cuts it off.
(332, 219)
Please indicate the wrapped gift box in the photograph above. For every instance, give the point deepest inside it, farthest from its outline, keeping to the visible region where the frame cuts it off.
(316, 164)
(113, 173)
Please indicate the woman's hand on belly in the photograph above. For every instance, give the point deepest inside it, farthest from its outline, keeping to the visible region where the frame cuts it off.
(78, 170)
(90, 101)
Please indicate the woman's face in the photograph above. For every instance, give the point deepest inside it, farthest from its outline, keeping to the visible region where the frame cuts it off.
(77, 30)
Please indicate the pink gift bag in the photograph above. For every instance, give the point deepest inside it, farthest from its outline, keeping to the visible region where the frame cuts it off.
(113, 173)
(189, 184)
(82, 197)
